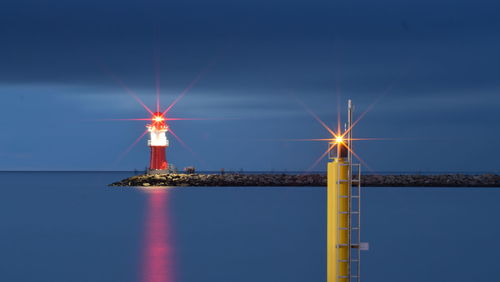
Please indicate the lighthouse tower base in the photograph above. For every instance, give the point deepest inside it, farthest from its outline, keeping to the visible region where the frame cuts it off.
(158, 163)
(159, 171)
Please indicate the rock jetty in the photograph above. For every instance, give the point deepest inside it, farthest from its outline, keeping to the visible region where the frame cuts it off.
(448, 180)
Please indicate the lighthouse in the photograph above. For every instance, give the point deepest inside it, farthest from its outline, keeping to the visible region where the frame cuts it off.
(158, 143)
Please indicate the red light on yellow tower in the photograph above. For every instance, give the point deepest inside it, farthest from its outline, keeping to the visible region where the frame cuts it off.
(158, 143)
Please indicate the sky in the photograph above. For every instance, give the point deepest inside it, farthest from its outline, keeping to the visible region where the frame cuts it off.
(422, 74)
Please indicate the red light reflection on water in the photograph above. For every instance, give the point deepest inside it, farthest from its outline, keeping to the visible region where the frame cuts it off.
(157, 265)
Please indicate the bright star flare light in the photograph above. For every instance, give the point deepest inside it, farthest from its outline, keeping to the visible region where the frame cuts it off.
(338, 138)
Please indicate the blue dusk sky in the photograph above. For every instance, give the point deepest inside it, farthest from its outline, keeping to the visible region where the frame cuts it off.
(426, 71)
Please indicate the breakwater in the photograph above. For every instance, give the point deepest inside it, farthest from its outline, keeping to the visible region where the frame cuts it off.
(448, 180)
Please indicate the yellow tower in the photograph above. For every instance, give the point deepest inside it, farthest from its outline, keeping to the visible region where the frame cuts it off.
(338, 220)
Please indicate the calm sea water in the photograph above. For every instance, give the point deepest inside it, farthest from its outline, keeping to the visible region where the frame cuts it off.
(72, 227)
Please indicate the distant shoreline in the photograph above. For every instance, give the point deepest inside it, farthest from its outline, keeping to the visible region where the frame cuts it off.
(268, 179)
(136, 172)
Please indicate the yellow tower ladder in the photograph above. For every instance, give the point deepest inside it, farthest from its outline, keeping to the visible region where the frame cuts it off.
(353, 228)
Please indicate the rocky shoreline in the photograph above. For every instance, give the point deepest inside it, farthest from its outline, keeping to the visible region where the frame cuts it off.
(448, 180)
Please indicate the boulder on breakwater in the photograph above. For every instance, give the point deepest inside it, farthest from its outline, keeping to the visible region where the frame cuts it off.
(442, 180)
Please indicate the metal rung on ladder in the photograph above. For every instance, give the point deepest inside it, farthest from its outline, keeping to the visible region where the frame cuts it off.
(345, 228)
(345, 181)
(344, 197)
(346, 245)
(347, 277)
(346, 260)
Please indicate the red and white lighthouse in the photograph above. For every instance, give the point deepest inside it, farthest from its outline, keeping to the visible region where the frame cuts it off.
(158, 143)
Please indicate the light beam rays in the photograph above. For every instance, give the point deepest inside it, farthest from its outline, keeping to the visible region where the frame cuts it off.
(149, 119)
(157, 75)
(186, 146)
(180, 140)
(315, 116)
(370, 107)
(334, 139)
(122, 155)
(330, 148)
(124, 119)
(359, 158)
(188, 88)
(126, 88)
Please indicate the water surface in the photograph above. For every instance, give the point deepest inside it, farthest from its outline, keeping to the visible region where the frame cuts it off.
(72, 227)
